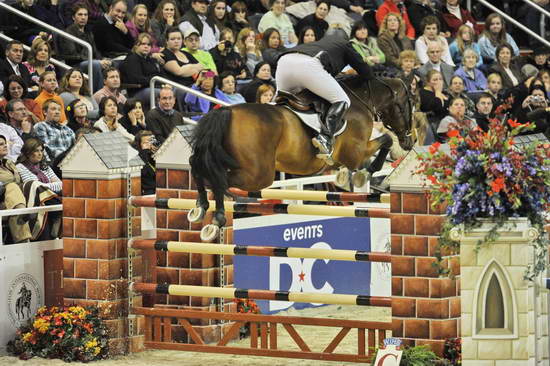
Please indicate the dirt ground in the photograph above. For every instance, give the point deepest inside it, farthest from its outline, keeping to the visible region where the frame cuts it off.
(317, 339)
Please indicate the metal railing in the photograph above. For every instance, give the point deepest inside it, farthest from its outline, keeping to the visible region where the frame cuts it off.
(21, 211)
(64, 34)
(545, 13)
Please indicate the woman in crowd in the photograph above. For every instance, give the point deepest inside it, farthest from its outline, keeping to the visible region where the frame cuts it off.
(33, 167)
(227, 59)
(133, 118)
(474, 79)
(227, 84)
(544, 75)
(262, 75)
(306, 35)
(108, 110)
(265, 94)
(179, 65)
(536, 110)
(39, 61)
(276, 18)
(48, 90)
(465, 39)
(434, 103)
(509, 72)
(316, 20)
(249, 47)
(165, 16)
(494, 88)
(494, 35)
(139, 23)
(456, 16)
(15, 88)
(72, 87)
(272, 46)
(145, 147)
(367, 46)
(77, 115)
(430, 33)
(457, 117)
(217, 12)
(238, 18)
(407, 64)
(457, 90)
(206, 83)
(392, 39)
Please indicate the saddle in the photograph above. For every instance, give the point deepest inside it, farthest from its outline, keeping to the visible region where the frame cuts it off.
(304, 101)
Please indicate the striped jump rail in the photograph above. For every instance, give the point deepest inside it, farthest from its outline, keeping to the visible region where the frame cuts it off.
(321, 196)
(262, 208)
(261, 251)
(236, 293)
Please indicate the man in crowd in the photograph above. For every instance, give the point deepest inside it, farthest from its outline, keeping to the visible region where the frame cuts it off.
(12, 64)
(484, 107)
(15, 143)
(56, 137)
(162, 120)
(196, 19)
(435, 63)
(111, 36)
(191, 39)
(111, 88)
(19, 119)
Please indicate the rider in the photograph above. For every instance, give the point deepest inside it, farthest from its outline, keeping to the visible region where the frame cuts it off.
(313, 66)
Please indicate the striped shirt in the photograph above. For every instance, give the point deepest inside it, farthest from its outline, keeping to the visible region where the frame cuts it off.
(26, 175)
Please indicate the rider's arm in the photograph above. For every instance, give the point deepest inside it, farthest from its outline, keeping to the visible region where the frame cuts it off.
(355, 60)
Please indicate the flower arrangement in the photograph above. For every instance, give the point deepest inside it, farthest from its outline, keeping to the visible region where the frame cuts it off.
(69, 333)
(453, 351)
(486, 175)
(247, 306)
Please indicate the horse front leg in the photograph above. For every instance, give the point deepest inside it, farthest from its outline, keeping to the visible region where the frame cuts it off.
(212, 231)
(197, 214)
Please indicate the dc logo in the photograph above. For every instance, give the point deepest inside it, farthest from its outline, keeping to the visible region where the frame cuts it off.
(302, 277)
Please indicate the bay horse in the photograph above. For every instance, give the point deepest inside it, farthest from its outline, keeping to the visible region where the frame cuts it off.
(244, 145)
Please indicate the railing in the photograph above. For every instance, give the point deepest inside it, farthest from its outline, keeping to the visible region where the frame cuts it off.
(61, 33)
(21, 211)
(545, 13)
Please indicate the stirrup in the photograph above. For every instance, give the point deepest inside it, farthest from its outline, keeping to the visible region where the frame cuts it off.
(324, 153)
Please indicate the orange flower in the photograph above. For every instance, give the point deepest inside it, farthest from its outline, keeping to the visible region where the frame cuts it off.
(513, 123)
(434, 147)
(453, 133)
(497, 185)
(432, 179)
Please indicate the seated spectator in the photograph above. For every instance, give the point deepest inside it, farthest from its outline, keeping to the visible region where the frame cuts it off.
(509, 72)
(435, 63)
(162, 120)
(407, 64)
(455, 119)
(395, 7)
(72, 87)
(420, 9)
(18, 118)
(179, 66)
(76, 55)
(537, 58)
(39, 61)
(276, 18)
(96, 10)
(56, 137)
(143, 143)
(249, 48)
(535, 109)
(484, 110)
(139, 23)
(265, 94)
(133, 118)
(111, 88)
(108, 110)
(457, 90)
(13, 196)
(15, 88)
(465, 39)
(195, 20)
(316, 20)
(139, 68)
(272, 47)
(306, 35)
(14, 140)
(456, 16)
(544, 75)
(48, 88)
(165, 17)
(77, 115)
(494, 88)
(206, 84)
(494, 35)
(262, 75)
(227, 85)
(434, 103)
(33, 167)
(26, 31)
(218, 14)
(392, 39)
(111, 34)
(238, 17)
(430, 33)
(227, 59)
(473, 78)
(12, 64)
(191, 40)
(366, 46)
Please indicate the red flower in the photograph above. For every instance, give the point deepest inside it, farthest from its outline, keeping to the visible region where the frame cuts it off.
(497, 185)
(432, 179)
(434, 147)
(453, 133)
(513, 123)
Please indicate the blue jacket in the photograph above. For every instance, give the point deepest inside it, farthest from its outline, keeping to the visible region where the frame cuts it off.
(457, 56)
(478, 83)
(488, 50)
(201, 105)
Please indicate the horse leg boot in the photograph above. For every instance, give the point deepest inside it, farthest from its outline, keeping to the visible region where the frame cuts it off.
(197, 214)
(211, 231)
(324, 141)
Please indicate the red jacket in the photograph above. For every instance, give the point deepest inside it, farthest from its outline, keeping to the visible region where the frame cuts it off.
(388, 6)
(454, 23)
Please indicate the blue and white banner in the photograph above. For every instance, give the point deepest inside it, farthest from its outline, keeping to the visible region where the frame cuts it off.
(311, 275)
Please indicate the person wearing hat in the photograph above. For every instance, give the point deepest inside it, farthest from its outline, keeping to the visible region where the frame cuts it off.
(191, 41)
(195, 18)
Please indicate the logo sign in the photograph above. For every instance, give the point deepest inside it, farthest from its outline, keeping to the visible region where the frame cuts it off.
(391, 354)
(24, 298)
(302, 274)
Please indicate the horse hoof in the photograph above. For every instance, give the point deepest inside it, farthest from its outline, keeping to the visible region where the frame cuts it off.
(360, 178)
(342, 178)
(326, 158)
(209, 233)
(196, 214)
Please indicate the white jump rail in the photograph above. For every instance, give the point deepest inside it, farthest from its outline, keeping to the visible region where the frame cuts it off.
(21, 211)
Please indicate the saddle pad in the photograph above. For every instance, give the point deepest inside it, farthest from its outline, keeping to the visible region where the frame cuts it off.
(313, 121)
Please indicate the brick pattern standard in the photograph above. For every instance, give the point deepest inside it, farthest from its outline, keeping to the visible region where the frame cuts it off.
(425, 308)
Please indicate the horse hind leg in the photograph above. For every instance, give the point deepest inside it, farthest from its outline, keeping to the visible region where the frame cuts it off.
(212, 231)
(197, 214)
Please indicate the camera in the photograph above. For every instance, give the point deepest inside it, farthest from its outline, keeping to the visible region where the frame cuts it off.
(154, 141)
(537, 99)
(228, 44)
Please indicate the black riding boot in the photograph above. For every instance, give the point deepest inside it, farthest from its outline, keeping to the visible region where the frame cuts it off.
(325, 140)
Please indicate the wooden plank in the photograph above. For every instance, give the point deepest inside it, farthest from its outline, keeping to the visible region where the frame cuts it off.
(273, 335)
(157, 329)
(263, 334)
(381, 336)
(233, 331)
(336, 341)
(361, 341)
(254, 335)
(296, 337)
(167, 329)
(148, 329)
(191, 331)
(259, 352)
(372, 339)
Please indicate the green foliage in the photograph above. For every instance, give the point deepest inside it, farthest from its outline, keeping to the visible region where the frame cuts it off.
(418, 356)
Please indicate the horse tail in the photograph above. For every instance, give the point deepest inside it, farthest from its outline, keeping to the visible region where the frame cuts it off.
(210, 160)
